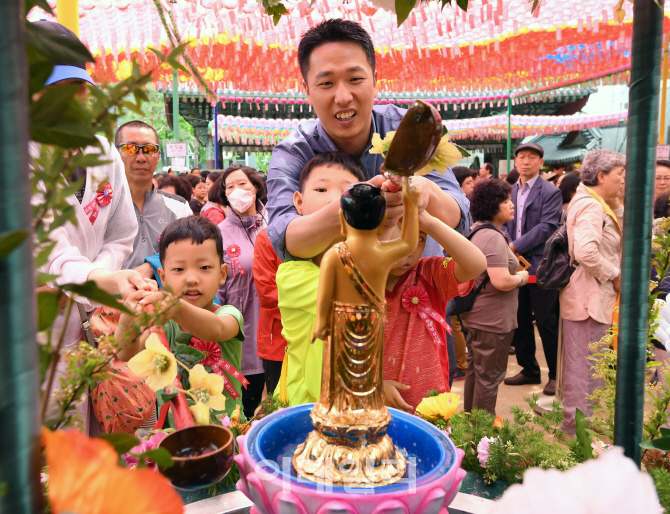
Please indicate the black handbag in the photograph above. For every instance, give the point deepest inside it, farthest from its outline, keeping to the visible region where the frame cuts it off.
(463, 304)
(556, 267)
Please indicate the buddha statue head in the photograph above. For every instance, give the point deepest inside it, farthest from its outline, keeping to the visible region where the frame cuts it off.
(363, 208)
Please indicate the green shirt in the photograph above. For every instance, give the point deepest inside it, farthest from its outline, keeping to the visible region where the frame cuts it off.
(231, 351)
(297, 284)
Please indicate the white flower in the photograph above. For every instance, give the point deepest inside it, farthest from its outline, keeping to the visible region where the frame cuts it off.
(611, 484)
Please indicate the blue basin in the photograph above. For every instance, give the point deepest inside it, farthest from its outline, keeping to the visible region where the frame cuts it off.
(277, 436)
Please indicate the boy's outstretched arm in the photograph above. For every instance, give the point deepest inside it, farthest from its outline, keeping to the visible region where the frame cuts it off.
(470, 262)
(409, 233)
(129, 340)
(202, 323)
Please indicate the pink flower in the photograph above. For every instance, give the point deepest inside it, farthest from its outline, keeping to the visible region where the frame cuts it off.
(483, 450)
(599, 447)
(146, 445)
(226, 421)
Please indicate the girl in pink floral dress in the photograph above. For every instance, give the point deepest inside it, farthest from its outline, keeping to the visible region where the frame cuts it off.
(417, 293)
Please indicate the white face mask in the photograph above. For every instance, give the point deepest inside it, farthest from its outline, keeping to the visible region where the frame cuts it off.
(241, 199)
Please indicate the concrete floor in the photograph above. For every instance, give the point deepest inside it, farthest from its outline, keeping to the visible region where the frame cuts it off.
(513, 395)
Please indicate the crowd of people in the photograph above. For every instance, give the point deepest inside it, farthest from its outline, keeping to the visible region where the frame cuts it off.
(242, 253)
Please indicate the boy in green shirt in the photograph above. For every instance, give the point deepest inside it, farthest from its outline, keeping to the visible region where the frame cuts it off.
(191, 253)
(322, 181)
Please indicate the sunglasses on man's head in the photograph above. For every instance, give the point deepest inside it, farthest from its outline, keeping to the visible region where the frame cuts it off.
(133, 149)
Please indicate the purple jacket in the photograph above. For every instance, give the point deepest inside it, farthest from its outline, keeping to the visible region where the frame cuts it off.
(239, 237)
(540, 217)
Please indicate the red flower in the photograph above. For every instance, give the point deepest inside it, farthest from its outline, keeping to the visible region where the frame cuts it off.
(415, 297)
(211, 350)
(233, 250)
(104, 197)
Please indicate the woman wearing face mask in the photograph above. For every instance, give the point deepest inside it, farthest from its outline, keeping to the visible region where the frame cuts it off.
(242, 192)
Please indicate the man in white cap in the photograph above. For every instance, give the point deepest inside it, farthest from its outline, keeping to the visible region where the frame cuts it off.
(102, 239)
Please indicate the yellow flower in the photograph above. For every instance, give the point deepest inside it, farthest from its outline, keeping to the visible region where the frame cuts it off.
(443, 405)
(200, 413)
(207, 388)
(447, 155)
(382, 146)
(155, 363)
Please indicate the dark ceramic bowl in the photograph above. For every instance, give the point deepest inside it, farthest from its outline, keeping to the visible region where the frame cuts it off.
(194, 473)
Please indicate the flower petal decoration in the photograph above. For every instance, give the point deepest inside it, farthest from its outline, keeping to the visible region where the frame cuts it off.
(84, 478)
(415, 297)
(484, 449)
(447, 155)
(207, 387)
(155, 363)
(200, 413)
(381, 146)
(443, 405)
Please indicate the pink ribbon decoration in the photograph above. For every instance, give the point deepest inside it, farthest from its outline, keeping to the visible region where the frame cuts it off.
(102, 198)
(415, 300)
(213, 359)
(233, 252)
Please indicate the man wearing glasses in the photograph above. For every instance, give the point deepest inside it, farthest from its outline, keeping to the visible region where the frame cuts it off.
(137, 143)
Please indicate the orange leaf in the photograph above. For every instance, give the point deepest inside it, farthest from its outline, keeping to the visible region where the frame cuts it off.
(84, 478)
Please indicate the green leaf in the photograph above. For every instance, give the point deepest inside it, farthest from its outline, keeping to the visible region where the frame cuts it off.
(29, 4)
(463, 151)
(68, 214)
(166, 397)
(65, 135)
(160, 456)
(132, 107)
(188, 354)
(56, 48)
(581, 426)
(89, 160)
(535, 4)
(463, 4)
(44, 351)
(121, 442)
(662, 444)
(665, 432)
(60, 118)
(158, 54)
(43, 278)
(90, 290)
(172, 58)
(43, 255)
(403, 8)
(9, 241)
(39, 73)
(48, 307)
(43, 4)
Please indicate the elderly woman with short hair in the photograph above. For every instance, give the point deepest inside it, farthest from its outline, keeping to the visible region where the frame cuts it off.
(595, 218)
(492, 320)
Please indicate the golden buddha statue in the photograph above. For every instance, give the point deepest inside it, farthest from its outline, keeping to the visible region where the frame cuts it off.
(349, 444)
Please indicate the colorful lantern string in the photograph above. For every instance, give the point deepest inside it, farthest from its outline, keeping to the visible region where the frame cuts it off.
(236, 130)
(235, 45)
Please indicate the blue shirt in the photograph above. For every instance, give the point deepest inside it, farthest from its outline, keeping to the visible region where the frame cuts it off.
(290, 156)
(521, 197)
